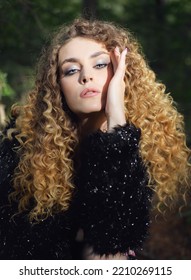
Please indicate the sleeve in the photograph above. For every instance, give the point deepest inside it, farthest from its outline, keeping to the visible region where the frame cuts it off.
(114, 196)
(20, 239)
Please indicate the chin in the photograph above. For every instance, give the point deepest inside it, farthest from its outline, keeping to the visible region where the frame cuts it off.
(94, 109)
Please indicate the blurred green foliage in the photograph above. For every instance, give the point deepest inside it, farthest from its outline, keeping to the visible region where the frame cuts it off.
(163, 27)
(5, 89)
(7, 93)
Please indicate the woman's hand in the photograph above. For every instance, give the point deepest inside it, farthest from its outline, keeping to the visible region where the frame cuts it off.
(88, 254)
(115, 96)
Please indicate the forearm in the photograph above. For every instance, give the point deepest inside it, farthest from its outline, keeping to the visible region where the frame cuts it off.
(115, 108)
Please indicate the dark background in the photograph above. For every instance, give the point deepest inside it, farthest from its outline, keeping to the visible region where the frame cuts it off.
(163, 28)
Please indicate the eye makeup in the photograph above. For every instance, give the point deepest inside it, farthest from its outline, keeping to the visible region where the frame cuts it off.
(71, 66)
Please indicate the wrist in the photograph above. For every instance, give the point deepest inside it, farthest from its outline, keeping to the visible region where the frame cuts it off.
(115, 119)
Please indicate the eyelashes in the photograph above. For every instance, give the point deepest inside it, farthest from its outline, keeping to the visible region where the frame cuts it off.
(74, 70)
(71, 72)
(101, 65)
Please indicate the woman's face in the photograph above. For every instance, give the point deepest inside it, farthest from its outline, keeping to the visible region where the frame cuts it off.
(85, 73)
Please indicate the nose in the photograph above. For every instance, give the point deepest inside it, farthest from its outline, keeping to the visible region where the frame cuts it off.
(85, 77)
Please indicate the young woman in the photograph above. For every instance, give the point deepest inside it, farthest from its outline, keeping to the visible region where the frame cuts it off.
(82, 158)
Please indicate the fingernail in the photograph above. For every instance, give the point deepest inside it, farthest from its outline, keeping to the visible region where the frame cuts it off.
(125, 51)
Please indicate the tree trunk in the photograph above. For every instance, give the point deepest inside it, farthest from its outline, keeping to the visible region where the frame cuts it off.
(89, 8)
(160, 32)
(160, 4)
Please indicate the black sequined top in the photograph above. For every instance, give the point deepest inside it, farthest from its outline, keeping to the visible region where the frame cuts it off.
(111, 203)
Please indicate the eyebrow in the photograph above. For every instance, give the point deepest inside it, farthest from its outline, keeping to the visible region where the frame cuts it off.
(73, 59)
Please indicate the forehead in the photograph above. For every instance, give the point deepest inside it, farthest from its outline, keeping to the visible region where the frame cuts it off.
(80, 46)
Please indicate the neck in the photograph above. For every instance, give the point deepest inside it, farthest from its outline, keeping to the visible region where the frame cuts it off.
(92, 122)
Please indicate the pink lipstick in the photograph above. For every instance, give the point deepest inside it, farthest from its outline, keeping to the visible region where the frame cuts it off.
(89, 92)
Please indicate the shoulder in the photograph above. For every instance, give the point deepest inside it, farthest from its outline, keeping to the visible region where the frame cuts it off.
(8, 153)
(8, 144)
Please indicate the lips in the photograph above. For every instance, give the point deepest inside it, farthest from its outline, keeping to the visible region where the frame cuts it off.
(89, 92)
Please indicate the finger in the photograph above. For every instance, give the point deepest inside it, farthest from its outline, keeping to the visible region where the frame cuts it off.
(115, 57)
(120, 70)
(117, 53)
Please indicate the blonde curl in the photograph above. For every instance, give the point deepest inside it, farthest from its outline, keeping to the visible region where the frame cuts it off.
(48, 135)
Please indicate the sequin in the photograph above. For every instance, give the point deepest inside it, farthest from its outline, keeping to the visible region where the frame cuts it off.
(112, 202)
(119, 210)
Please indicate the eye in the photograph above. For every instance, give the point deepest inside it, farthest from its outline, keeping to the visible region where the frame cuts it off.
(101, 65)
(70, 72)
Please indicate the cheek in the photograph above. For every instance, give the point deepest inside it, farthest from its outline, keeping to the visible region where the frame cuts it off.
(66, 91)
(64, 87)
(67, 88)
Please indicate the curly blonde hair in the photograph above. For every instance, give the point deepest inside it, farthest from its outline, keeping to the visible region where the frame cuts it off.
(48, 134)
